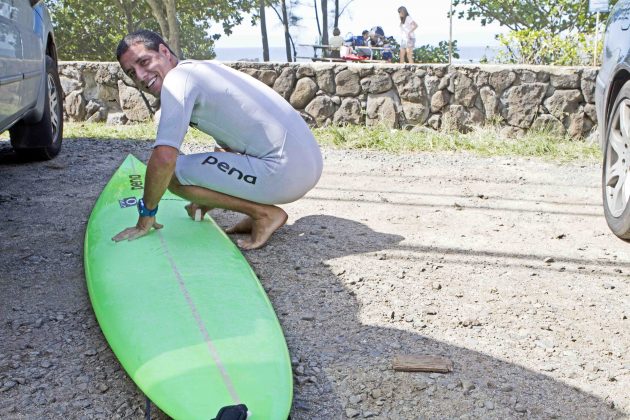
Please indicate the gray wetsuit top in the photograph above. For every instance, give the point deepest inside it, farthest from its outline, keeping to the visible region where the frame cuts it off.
(275, 158)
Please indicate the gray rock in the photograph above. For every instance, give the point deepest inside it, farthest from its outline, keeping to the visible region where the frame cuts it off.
(285, 82)
(132, 103)
(456, 118)
(465, 90)
(377, 83)
(490, 101)
(431, 83)
(381, 109)
(352, 413)
(587, 85)
(521, 103)
(564, 78)
(435, 121)
(268, 77)
(325, 79)
(347, 83)
(415, 113)
(69, 85)
(117, 118)
(547, 123)
(439, 100)
(304, 92)
(74, 105)
(410, 86)
(349, 112)
(305, 71)
(563, 102)
(321, 108)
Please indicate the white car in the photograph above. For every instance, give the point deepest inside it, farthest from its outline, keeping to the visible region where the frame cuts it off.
(31, 97)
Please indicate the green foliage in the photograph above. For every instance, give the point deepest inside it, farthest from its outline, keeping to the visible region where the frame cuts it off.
(425, 53)
(553, 16)
(530, 46)
(430, 54)
(91, 30)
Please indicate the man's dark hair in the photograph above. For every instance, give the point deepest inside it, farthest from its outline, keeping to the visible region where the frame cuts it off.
(150, 39)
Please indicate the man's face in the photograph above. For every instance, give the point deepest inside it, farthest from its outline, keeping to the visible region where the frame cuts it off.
(146, 67)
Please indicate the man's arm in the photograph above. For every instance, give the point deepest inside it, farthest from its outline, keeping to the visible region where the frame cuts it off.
(160, 170)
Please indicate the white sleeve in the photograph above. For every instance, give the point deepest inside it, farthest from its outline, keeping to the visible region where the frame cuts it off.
(177, 100)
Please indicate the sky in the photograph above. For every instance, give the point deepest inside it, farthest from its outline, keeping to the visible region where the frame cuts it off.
(430, 15)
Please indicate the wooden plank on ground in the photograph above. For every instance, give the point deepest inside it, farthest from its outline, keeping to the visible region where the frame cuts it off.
(422, 363)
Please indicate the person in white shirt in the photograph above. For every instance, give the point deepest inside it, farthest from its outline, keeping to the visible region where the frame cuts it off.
(267, 154)
(335, 42)
(408, 38)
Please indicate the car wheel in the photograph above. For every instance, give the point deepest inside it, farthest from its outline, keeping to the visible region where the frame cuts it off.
(616, 166)
(49, 130)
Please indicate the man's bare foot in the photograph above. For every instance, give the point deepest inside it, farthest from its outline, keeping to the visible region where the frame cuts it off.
(196, 212)
(263, 228)
(244, 226)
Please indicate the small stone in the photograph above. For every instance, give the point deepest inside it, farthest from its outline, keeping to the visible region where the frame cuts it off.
(437, 286)
(308, 317)
(90, 352)
(352, 413)
(356, 399)
(376, 394)
(369, 414)
(45, 364)
(507, 388)
(489, 405)
(520, 408)
(102, 387)
(8, 385)
(549, 260)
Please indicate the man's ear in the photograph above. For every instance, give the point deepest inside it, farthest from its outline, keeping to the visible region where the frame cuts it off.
(163, 49)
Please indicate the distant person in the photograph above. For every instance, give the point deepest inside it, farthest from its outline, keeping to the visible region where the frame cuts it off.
(408, 37)
(363, 41)
(267, 153)
(335, 42)
(377, 37)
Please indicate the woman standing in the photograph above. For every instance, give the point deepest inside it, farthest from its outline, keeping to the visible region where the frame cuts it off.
(408, 40)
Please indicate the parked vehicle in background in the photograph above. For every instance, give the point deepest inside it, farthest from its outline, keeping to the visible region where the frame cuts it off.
(31, 98)
(612, 99)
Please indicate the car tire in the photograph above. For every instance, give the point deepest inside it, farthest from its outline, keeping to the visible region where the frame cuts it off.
(49, 130)
(616, 166)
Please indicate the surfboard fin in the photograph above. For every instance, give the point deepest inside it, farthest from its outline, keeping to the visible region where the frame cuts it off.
(232, 412)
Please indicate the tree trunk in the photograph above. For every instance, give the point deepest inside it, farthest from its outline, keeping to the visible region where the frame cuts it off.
(165, 12)
(319, 28)
(324, 22)
(263, 29)
(285, 23)
(126, 8)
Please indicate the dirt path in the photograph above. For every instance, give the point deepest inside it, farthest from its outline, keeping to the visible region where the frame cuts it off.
(503, 265)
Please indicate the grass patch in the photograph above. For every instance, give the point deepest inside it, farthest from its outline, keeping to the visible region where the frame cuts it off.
(139, 131)
(485, 141)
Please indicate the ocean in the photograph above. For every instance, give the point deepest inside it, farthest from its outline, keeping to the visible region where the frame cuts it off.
(467, 54)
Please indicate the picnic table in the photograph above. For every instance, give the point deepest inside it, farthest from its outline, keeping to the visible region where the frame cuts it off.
(329, 48)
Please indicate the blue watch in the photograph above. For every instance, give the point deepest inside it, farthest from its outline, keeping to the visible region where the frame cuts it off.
(145, 212)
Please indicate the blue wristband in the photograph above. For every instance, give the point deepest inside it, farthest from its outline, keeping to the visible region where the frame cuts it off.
(145, 212)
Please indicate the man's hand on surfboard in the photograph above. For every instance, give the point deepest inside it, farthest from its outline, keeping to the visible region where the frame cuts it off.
(142, 228)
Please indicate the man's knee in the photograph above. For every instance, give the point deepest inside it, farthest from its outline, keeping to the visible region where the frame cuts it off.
(174, 186)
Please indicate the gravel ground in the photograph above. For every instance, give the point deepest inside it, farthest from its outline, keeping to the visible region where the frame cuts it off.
(505, 266)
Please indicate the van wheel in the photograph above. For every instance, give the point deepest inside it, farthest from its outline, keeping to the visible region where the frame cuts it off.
(49, 130)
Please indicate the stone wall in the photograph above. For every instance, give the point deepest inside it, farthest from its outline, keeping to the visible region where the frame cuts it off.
(520, 98)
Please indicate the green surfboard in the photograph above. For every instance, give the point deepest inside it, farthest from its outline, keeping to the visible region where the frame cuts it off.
(182, 309)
